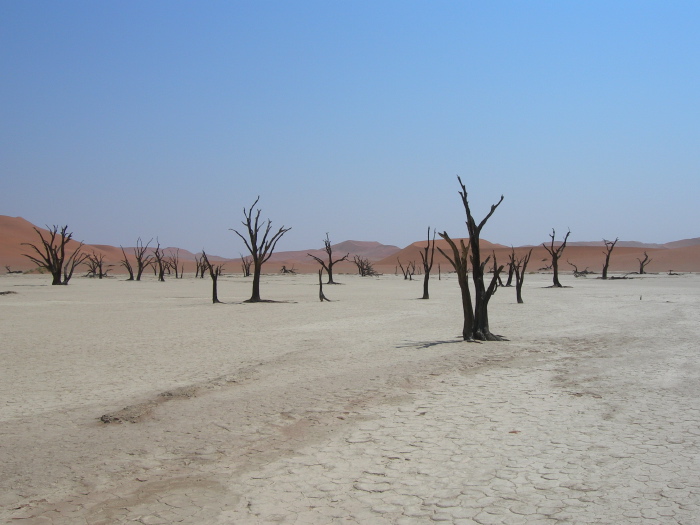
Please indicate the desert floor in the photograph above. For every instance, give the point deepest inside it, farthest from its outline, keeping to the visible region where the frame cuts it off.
(367, 409)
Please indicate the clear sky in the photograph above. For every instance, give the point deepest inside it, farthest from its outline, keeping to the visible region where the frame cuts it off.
(167, 118)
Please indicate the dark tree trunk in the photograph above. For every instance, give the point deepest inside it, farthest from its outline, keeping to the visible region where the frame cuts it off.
(321, 296)
(427, 257)
(255, 296)
(520, 267)
(556, 254)
(555, 269)
(609, 245)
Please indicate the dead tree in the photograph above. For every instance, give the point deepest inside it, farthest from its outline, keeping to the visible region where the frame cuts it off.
(482, 294)
(246, 262)
(555, 253)
(577, 273)
(95, 264)
(643, 263)
(364, 266)
(427, 256)
(409, 271)
(284, 269)
(261, 249)
(161, 263)
(174, 263)
(459, 263)
(320, 287)
(199, 267)
(52, 254)
(143, 260)
(329, 265)
(10, 270)
(127, 264)
(519, 269)
(511, 267)
(609, 245)
(214, 271)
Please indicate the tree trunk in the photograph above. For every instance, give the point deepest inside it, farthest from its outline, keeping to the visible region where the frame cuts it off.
(255, 296)
(555, 269)
(214, 294)
(426, 277)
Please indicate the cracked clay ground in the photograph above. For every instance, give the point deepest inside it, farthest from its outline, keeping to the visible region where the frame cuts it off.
(367, 410)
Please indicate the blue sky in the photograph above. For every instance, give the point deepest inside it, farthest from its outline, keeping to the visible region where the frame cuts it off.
(128, 119)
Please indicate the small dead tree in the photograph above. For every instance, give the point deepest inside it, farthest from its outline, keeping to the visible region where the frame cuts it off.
(284, 269)
(246, 262)
(609, 245)
(52, 254)
(161, 263)
(643, 263)
(261, 249)
(482, 294)
(577, 272)
(364, 266)
(409, 271)
(215, 271)
(143, 260)
(427, 256)
(10, 270)
(329, 265)
(321, 296)
(199, 267)
(95, 264)
(519, 268)
(511, 267)
(126, 264)
(174, 263)
(555, 253)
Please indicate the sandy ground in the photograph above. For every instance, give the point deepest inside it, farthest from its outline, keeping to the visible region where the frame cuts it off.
(368, 409)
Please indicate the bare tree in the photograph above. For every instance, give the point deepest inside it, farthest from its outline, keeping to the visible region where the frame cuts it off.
(161, 263)
(260, 248)
(95, 264)
(10, 270)
(127, 264)
(246, 263)
(52, 254)
(520, 265)
(321, 296)
(609, 245)
(577, 272)
(643, 263)
(329, 265)
(284, 269)
(143, 260)
(409, 271)
(427, 256)
(511, 267)
(482, 294)
(364, 266)
(556, 253)
(459, 263)
(174, 263)
(199, 267)
(214, 271)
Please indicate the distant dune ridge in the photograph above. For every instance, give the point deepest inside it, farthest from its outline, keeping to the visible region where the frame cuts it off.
(678, 256)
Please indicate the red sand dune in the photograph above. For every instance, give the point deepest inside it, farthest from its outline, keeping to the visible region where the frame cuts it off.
(678, 256)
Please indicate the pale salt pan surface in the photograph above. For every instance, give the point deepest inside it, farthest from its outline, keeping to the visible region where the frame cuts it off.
(365, 410)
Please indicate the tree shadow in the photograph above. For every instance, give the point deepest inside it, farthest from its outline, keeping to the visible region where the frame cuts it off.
(422, 345)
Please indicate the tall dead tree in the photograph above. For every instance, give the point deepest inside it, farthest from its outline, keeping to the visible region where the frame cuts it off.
(329, 265)
(609, 245)
(643, 263)
(555, 253)
(482, 294)
(214, 271)
(427, 256)
(519, 270)
(160, 263)
(52, 256)
(143, 260)
(260, 249)
(127, 264)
